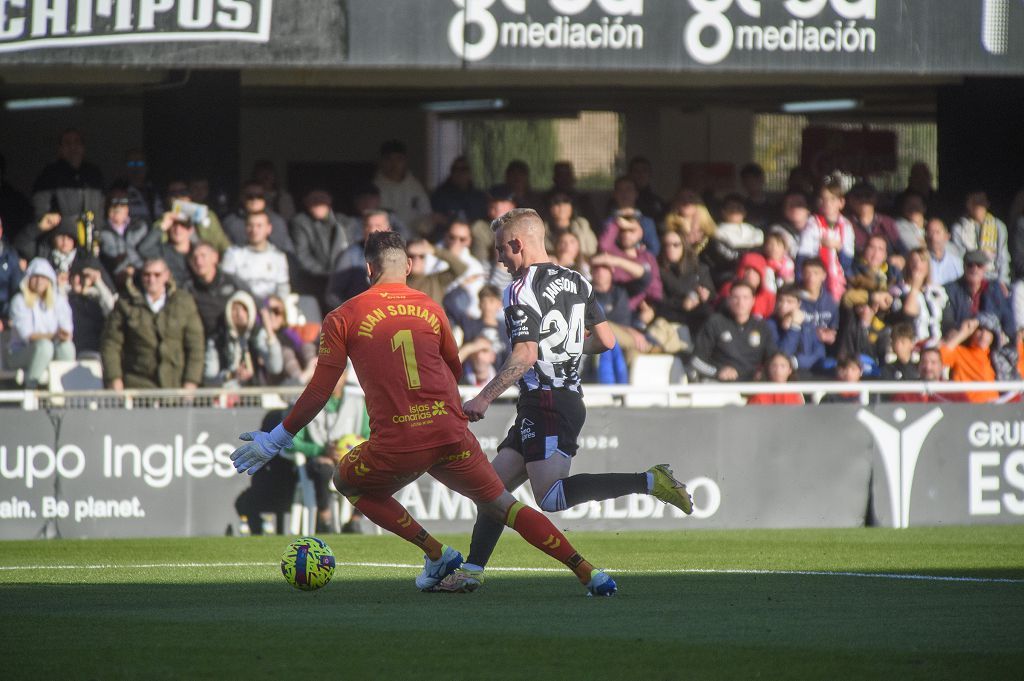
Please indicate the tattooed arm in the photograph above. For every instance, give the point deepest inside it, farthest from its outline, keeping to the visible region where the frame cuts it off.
(523, 356)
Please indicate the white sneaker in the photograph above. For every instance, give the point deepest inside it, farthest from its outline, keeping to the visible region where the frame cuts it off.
(436, 570)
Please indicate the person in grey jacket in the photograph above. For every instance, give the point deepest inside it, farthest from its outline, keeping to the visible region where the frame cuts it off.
(320, 239)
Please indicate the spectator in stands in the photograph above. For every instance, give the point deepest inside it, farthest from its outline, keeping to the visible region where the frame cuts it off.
(299, 348)
(10, 278)
(63, 254)
(686, 281)
(254, 201)
(278, 199)
(437, 282)
(863, 333)
(734, 345)
(457, 198)
(206, 223)
(366, 199)
(947, 262)
(563, 182)
(861, 203)
(967, 353)
(491, 324)
(734, 232)
(794, 335)
(349, 276)
(154, 336)
(612, 365)
(973, 293)
(33, 239)
(919, 181)
(319, 239)
(821, 308)
(564, 218)
(401, 192)
(120, 236)
(92, 299)
(457, 240)
(15, 210)
(848, 370)
(802, 180)
(242, 353)
(757, 205)
(911, 223)
(930, 370)
(902, 340)
(568, 253)
(41, 322)
(500, 200)
(517, 181)
(647, 201)
(210, 286)
(259, 264)
(979, 230)
(178, 229)
(919, 301)
(781, 265)
(479, 362)
(143, 198)
(753, 270)
(795, 217)
(632, 265)
(872, 268)
(1016, 245)
(778, 370)
(70, 182)
(624, 196)
(829, 236)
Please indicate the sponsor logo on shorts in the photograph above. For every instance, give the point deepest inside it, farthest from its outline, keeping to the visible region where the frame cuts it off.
(526, 430)
(461, 456)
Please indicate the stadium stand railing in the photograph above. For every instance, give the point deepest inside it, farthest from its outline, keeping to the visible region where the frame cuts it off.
(633, 396)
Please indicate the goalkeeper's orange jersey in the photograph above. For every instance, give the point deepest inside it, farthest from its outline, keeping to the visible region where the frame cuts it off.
(401, 346)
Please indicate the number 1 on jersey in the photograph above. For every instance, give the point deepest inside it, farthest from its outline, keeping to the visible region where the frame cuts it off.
(403, 340)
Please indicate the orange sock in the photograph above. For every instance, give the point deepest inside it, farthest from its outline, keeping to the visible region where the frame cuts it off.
(538, 530)
(392, 516)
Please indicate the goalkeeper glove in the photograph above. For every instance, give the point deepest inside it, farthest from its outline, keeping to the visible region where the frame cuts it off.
(260, 448)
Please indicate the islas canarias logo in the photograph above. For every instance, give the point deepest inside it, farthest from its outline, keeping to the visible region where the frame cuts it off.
(900, 447)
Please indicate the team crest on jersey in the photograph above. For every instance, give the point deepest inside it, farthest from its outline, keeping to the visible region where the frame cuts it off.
(726, 336)
(755, 339)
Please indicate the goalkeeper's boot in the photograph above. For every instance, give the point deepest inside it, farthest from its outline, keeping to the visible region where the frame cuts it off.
(670, 490)
(462, 581)
(436, 570)
(601, 584)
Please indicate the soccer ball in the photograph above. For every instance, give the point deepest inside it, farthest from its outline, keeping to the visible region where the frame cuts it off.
(308, 563)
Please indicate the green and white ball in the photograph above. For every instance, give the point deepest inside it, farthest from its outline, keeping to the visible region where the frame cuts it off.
(308, 563)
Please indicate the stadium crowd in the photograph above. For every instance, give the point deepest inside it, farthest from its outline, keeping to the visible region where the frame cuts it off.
(829, 280)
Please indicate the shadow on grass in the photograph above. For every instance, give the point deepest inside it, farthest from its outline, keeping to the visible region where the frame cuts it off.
(519, 625)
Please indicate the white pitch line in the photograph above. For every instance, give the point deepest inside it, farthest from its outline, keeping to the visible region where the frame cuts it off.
(636, 571)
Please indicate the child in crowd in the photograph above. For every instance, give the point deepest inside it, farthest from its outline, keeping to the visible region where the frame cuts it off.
(829, 236)
(779, 370)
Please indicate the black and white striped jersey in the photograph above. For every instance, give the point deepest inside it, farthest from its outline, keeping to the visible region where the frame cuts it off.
(551, 306)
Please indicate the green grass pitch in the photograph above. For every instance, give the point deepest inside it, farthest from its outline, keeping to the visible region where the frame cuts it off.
(692, 605)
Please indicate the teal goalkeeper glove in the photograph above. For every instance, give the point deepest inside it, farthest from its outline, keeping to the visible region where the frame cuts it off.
(260, 448)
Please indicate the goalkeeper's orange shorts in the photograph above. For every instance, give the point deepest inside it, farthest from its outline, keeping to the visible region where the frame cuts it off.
(460, 466)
